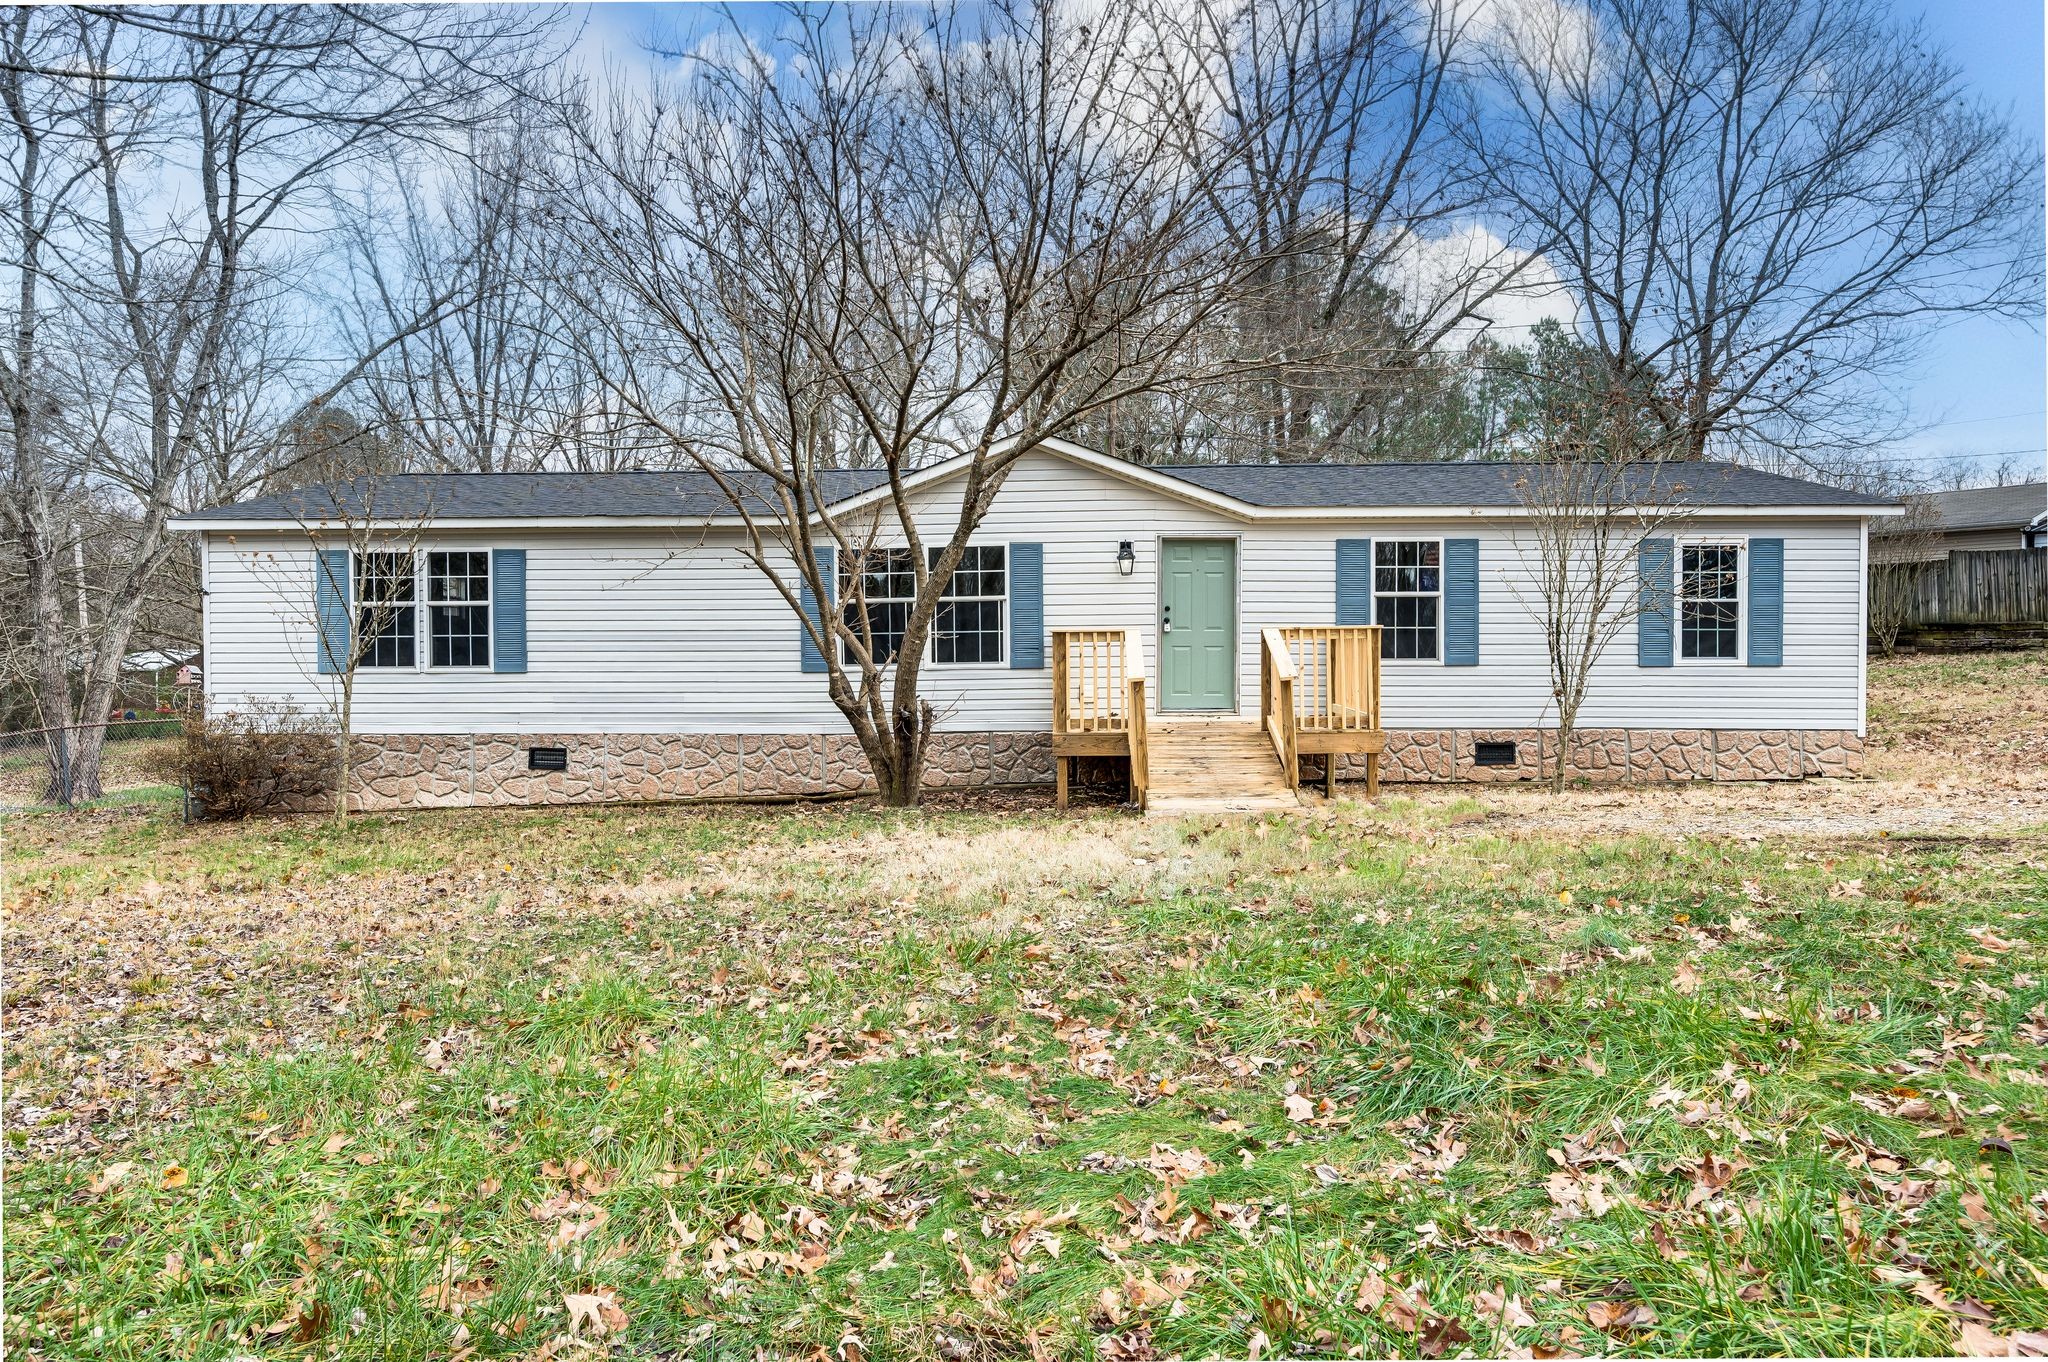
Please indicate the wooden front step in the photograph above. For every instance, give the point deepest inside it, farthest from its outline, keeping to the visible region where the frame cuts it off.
(1221, 765)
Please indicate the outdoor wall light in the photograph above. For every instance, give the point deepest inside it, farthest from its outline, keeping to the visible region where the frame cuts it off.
(1126, 558)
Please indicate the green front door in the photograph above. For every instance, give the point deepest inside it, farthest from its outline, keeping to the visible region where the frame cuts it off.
(1198, 624)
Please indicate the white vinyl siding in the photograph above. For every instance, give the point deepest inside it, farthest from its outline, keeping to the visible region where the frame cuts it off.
(648, 630)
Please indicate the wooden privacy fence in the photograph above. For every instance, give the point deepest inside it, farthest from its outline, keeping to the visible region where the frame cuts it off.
(1991, 586)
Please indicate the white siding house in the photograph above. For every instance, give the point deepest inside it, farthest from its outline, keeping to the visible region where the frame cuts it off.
(652, 623)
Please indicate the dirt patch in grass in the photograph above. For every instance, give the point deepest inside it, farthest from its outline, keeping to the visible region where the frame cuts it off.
(1976, 719)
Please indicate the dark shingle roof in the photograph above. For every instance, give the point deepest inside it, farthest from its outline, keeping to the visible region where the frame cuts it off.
(693, 494)
(513, 496)
(1407, 485)
(1990, 508)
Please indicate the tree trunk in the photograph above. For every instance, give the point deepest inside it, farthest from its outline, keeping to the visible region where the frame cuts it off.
(900, 776)
(103, 678)
(1564, 747)
(344, 746)
(895, 756)
(53, 684)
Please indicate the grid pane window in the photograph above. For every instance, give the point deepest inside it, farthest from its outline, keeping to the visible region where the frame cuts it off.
(968, 626)
(459, 608)
(888, 582)
(385, 609)
(1709, 605)
(1407, 588)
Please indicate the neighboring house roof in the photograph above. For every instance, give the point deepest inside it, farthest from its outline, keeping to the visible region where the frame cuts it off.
(1250, 490)
(157, 659)
(2011, 507)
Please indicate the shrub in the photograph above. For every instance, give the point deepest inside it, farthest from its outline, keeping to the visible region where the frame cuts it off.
(262, 758)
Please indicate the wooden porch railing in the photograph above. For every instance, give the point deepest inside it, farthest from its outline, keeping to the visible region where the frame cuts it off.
(1277, 676)
(1319, 692)
(1339, 670)
(1098, 703)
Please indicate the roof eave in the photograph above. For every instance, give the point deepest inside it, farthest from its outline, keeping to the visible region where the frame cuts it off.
(1297, 514)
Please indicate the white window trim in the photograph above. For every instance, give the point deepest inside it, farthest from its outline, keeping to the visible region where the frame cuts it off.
(929, 661)
(1002, 657)
(355, 609)
(422, 617)
(1738, 542)
(425, 654)
(1442, 568)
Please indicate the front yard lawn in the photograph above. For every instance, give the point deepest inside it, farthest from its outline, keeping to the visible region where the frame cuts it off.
(841, 1083)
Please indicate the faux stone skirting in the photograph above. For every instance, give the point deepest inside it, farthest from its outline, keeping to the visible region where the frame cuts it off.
(432, 770)
(1619, 754)
(421, 770)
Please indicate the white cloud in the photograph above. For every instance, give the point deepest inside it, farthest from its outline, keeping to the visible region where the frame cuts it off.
(1508, 290)
(1540, 37)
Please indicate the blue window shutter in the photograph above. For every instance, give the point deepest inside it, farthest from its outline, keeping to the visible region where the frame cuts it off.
(508, 610)
(1766, 602)
(1653, 603)
(813, 660)
(1027, 607)
(330, 609)
(1461, 602)
(1354, 581)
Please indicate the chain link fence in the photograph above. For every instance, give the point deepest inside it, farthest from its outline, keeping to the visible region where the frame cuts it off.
(28, 755)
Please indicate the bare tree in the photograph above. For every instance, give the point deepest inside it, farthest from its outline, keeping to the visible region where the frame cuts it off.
(48, 168)
(1898, 558)
(1355, 196)
(368, 602)
(1601, 482)
(254, 114)
(494, 384)
(1770, 204)
(900, 239)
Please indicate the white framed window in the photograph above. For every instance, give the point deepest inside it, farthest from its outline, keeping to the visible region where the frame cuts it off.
(455, 584)
(386, 590)
(458, 607)
(888, 587)
(1710, 601)
(1408, 597)
(968, 628)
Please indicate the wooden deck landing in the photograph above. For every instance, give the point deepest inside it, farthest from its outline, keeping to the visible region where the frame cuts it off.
(1319, 695)
(1220, 765)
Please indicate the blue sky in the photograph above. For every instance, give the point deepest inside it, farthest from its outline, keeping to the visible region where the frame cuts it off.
(1982, 388)
(1986, 381)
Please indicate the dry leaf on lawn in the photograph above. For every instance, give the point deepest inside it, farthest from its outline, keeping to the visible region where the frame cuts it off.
(598, 1309)
(1974, 1340)
(110, 1177)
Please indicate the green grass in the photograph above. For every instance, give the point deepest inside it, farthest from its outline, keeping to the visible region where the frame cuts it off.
(801, 1077)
